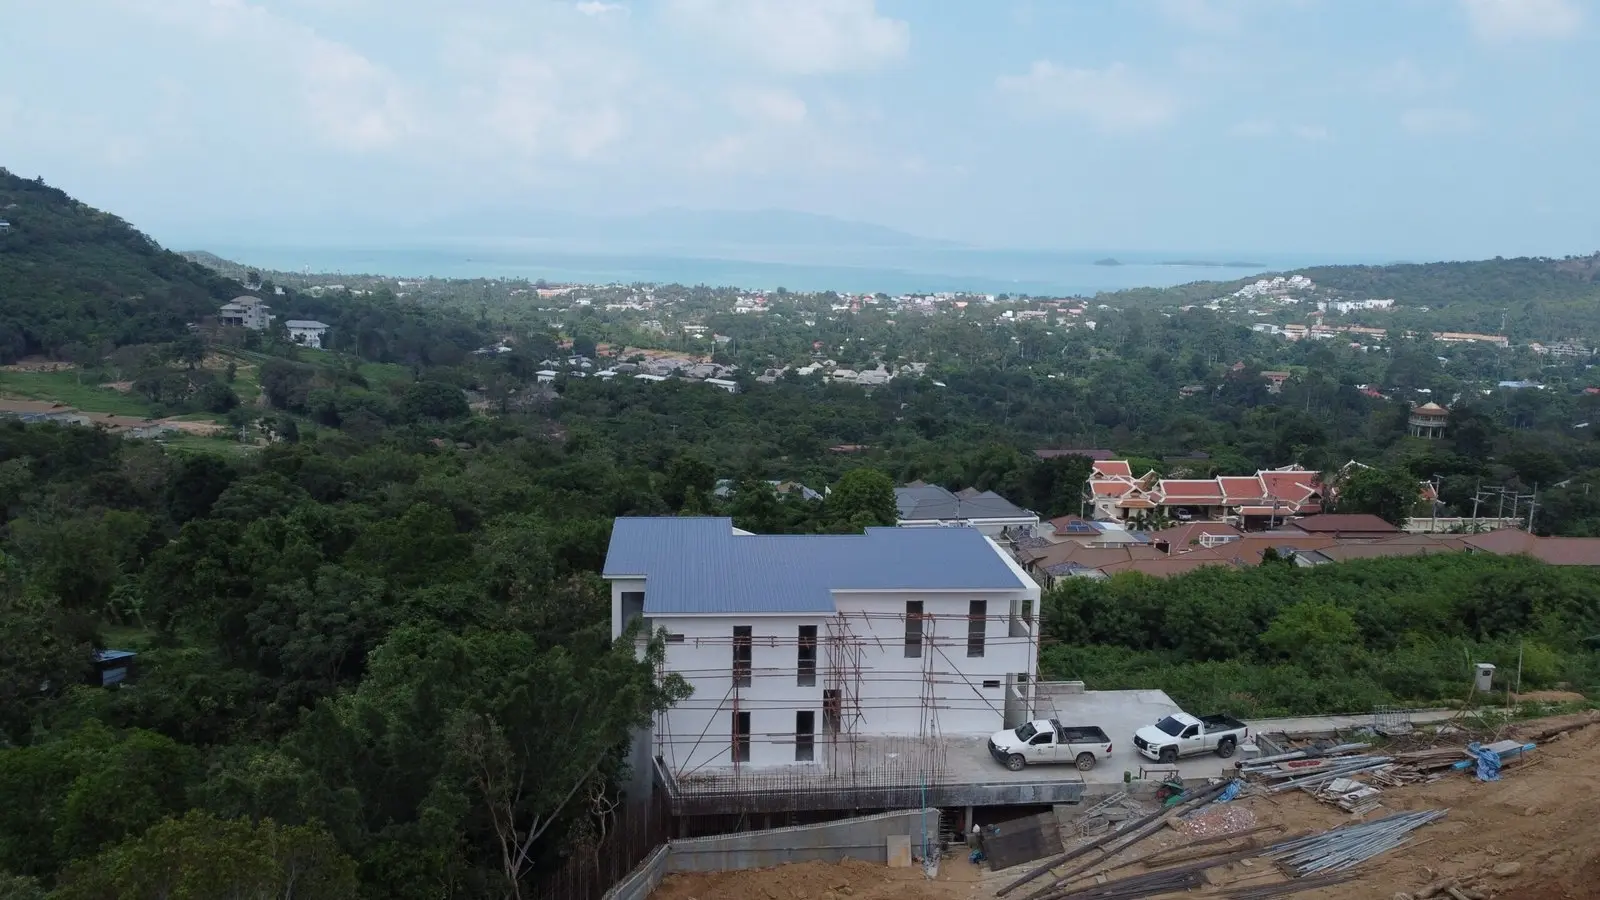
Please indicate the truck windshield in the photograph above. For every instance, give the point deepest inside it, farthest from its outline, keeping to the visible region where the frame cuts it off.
(1170, 726)
(1026, 732)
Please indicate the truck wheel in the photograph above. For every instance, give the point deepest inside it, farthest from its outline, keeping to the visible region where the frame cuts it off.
(1226, 747)
(1015, 762)
(1169, 754)
(1085, 761)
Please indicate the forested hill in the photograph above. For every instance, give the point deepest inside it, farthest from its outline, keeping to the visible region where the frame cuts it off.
(1530, 297)
(74, 276)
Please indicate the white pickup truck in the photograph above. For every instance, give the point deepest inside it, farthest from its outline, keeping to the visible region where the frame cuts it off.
(1181, 734)
(1048, 741)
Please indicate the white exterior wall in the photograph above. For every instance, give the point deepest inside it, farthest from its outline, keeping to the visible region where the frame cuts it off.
(697, 734)
(307, 337)
(989, 528)
(892, 684)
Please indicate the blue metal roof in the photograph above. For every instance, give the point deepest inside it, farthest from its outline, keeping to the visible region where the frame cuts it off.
(698, 565)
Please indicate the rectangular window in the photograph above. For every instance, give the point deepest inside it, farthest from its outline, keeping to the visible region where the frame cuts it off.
(741, 655)
(632, 606)
(832, 711)
(913, 629)
(674, 638)
(741, 737)
(992, 683)
(977, 624)
(805, 735)
(807, 659)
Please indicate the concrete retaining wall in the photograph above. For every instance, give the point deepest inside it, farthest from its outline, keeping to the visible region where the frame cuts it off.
(864, 838)
(644, 879)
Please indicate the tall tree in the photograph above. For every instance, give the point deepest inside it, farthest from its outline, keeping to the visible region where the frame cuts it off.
(862, 499)
(1389, 494)
(201, 855)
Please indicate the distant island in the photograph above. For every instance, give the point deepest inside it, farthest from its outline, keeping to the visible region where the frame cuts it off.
(1204, 263)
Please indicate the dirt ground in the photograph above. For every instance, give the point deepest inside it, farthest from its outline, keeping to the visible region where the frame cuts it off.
(1540, 825)
(957, 880)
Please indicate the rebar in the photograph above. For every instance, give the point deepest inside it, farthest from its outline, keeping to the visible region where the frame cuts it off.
(1343, 848)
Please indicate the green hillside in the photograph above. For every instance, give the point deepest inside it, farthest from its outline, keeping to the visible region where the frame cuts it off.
(75, 280)
(1526, 298)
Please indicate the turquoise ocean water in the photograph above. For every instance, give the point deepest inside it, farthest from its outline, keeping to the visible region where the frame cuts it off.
(890, 271)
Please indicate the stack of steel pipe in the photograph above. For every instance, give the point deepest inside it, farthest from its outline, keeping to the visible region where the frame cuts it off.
(1342, 848)
(1340, 768)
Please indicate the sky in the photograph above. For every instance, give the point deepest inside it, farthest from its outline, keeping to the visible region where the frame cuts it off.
(1360, 128)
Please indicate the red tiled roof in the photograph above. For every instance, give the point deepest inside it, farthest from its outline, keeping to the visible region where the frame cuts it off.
(1238, 488)
(1345, 523)
(1113, 468)
(1136, 503)
(1110, 488)
(1179, 537)
(1281, 512)
(1207, 489)
(1293, 486)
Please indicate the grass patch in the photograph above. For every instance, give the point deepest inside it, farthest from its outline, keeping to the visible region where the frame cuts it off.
(184, 442)
(382, 375)
(63, 387)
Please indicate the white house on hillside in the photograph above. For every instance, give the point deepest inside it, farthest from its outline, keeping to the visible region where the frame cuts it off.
(306, 332)
(245, 311)
(797, 645)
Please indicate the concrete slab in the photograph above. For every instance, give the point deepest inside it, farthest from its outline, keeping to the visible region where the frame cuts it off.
(899, 851)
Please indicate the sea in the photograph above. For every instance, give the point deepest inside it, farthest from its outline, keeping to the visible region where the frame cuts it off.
(890, 271)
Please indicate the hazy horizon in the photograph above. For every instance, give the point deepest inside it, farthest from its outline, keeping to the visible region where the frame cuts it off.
(1418, 129)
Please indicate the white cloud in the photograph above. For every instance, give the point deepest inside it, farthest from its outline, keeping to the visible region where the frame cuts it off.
(350, 101)
(597, 9)
(1426, 122)
(801, 37)
(1266, 128)
(1254, 128)
(768, 105)
(1109, 99)
(1214, 16)
(1403, 76)
(1506, 20)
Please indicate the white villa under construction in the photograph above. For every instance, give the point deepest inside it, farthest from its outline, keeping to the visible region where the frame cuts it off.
(822, 660)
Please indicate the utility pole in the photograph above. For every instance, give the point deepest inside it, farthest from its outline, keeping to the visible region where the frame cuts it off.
(1533, 504)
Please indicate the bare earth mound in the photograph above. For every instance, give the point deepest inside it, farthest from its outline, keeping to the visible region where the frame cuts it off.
(824, 881)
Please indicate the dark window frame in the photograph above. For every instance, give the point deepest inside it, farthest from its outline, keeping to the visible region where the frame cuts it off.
(806, 657)
(741, 737)
(977, 627)
(743, 655)
(914, 617)
(805, 735)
